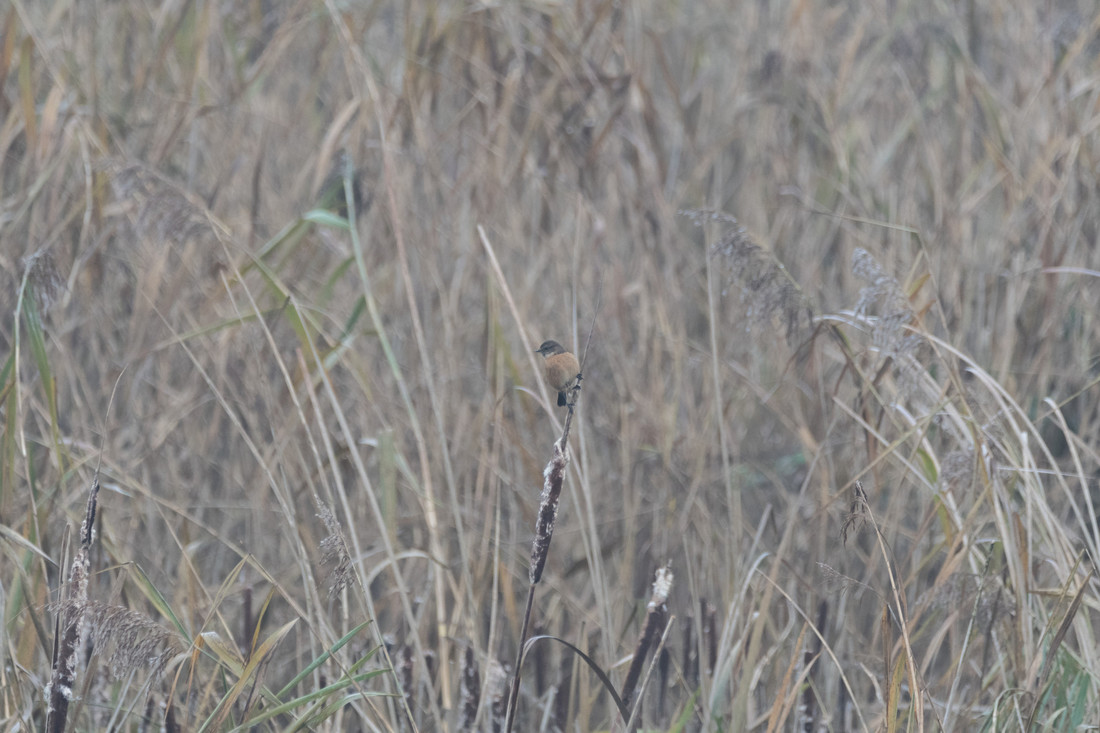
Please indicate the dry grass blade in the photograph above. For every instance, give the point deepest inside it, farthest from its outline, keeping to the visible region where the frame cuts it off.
(899, 611)
(1055, 646)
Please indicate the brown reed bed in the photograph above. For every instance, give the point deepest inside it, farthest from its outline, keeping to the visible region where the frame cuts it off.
(315, 241)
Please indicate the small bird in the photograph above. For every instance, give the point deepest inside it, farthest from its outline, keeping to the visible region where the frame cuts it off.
(562, 368)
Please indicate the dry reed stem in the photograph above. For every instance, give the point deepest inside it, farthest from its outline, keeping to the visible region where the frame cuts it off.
(71, 628)
(657, 657)
(656, 622)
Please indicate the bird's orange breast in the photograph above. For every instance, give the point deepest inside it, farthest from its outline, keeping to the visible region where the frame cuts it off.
(562, 371)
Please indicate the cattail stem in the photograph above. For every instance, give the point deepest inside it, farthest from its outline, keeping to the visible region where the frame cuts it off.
(637, 707)
(513, 696)
(70, 628)
(553, 480)
(655, 630)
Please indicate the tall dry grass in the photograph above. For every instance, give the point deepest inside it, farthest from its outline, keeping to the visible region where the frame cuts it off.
(842, 268)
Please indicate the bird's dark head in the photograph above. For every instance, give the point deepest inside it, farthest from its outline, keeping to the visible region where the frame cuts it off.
(549, 348)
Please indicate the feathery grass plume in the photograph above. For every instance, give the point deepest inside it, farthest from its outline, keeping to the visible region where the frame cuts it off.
(884, 295)
(836, 581)
(160, 210)
(334, 550)
(655, 622)
(856, 518)
(957, 472)
(43, 280)
(471, 690)
(957, 591)
(70, 631)
(132, 639)
(767, 289)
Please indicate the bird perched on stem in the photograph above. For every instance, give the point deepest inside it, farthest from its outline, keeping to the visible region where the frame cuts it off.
(562, 368)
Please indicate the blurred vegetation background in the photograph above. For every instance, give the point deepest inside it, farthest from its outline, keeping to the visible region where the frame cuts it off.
(276, 270)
